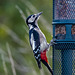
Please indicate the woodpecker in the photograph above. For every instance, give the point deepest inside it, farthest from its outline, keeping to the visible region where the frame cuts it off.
(38, 41)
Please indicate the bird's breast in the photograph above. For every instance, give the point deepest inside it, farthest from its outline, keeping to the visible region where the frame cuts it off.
(43, 45)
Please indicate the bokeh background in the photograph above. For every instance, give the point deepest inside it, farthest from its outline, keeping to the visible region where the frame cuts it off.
(16, 55)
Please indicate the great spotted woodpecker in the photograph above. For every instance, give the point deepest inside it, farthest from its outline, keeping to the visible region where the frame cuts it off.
(38, 41)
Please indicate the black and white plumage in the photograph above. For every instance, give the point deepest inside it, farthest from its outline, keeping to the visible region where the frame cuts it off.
(38, 41)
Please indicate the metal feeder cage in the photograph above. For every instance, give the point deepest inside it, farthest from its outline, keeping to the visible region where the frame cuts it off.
(64, 32)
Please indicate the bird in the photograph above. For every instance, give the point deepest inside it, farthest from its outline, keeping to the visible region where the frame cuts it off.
(38, 41)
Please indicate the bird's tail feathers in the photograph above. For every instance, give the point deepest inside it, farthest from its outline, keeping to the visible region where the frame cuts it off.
(47, 65)
(39, 64)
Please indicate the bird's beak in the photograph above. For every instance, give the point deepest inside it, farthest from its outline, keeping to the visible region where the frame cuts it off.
(39, 14)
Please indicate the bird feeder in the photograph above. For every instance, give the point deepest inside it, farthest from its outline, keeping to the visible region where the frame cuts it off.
(64, 32)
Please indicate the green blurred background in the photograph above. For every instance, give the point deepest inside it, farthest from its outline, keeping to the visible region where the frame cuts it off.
(16, 56)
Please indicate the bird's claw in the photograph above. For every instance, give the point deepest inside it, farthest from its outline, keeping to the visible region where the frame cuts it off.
(52, 42)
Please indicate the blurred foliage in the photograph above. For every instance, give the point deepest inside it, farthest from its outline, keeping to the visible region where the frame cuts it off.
(14, 38)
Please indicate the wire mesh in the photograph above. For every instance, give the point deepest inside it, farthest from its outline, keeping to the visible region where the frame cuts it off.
(64, 59)
(64, 9)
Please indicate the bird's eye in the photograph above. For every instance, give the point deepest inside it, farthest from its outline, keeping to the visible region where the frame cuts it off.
(33, 16)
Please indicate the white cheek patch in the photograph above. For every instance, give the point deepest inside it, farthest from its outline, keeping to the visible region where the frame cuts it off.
(31, 19)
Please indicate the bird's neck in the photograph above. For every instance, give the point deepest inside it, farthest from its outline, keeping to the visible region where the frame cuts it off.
(33, 26)
(30, 27)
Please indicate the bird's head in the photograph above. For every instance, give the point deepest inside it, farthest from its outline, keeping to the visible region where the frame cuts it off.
(32, 20)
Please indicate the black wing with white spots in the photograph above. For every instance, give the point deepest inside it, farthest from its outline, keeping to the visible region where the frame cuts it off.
(35, 44)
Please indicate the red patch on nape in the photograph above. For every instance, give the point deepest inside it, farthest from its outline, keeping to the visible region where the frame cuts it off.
(43, 56)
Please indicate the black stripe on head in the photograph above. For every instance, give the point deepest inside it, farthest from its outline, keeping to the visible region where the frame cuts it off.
(28, 19)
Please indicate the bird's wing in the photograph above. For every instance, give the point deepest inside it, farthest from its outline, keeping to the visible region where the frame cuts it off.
(35, 44)
(34, 39)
